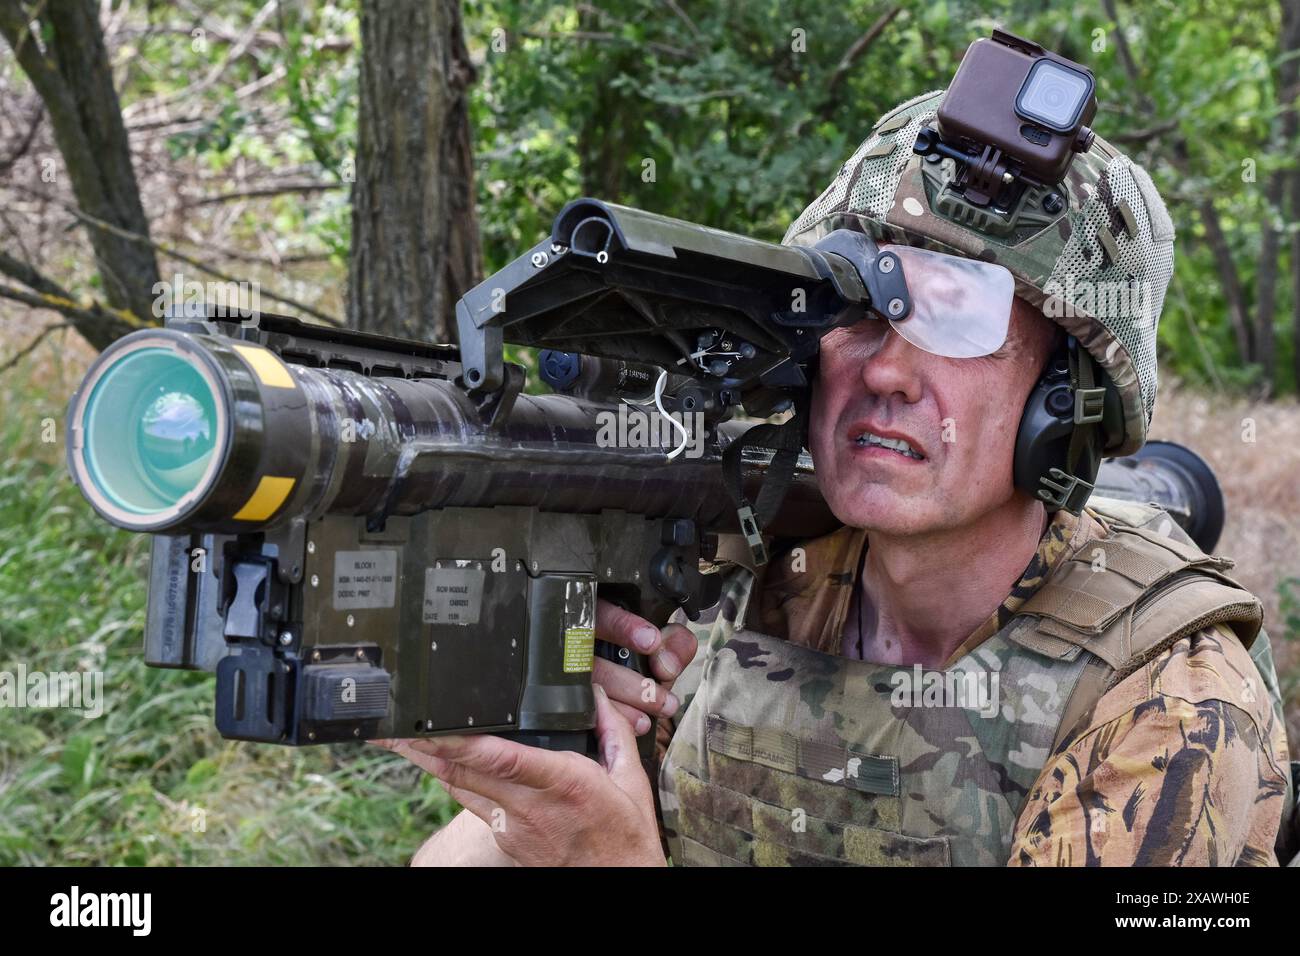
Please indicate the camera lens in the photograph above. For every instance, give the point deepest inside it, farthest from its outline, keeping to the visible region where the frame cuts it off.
(1054, 95)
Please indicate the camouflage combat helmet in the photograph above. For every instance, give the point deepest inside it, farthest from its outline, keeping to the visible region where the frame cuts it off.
(1095, 253)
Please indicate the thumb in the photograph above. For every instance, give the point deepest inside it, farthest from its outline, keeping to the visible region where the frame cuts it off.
(618, 751)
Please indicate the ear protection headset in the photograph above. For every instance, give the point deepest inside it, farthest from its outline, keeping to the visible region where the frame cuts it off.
(1068, 421)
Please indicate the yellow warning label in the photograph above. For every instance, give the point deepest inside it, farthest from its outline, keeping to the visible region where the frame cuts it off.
(267, 365)
(579, 649)
(270, 494)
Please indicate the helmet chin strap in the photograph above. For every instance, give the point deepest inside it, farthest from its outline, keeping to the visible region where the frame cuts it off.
(1060, 439)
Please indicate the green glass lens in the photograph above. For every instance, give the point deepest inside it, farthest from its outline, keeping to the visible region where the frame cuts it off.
(150, 430)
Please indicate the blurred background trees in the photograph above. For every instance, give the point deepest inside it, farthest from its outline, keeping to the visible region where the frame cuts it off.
(367, 162)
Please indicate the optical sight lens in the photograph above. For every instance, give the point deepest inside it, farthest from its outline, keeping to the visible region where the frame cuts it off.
(150, 430)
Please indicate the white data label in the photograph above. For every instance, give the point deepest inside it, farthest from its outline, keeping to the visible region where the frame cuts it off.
(364, 579)
(453, 595)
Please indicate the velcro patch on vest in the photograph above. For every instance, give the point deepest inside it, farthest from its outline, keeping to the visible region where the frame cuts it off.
(814, 760)
(720, 826)
(1106, 577)
(1118, 557)
(1085, 598)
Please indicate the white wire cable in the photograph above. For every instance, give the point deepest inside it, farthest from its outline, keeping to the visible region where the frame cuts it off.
(696, 355)
(659, 404)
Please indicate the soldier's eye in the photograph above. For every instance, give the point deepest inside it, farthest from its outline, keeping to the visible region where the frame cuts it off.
(870, 331)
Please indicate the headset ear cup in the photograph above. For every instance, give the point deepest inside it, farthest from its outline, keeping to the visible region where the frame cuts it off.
(1056, 461)
(1046, 426)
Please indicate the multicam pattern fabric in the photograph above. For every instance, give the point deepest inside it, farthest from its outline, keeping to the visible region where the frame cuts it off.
(1099, 267)
(815, 762)
(1183, 763)
(860, 763)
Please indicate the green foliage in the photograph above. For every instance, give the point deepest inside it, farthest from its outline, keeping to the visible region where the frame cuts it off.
(285, 109)
(215, 135)
(150, 781)
(737, 114)
(744, 129)
(322, 93)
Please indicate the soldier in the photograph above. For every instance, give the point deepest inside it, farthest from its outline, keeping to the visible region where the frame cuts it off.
(960, 674)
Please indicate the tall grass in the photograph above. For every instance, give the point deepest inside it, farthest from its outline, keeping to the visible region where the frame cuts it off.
(150, 781)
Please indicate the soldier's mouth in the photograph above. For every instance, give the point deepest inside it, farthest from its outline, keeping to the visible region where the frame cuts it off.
(899, 446)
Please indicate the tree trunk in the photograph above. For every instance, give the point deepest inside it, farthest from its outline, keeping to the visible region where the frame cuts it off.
(75, 82)
(1233, 292)
(414, 227)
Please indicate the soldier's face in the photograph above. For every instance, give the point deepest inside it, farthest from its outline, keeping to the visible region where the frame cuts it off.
(958, 418)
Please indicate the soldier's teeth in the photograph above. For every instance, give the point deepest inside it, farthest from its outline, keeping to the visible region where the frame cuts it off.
(894, 444)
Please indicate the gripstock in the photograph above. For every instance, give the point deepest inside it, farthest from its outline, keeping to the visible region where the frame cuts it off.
(369, 537)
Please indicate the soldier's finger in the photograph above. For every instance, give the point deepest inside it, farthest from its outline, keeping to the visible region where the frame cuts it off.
(678, 650)
(496, 759)
(626, 629)
(489, 811)
(426, 762)
(618, 752)
(481, 794)
(638, 719)
(627, 686)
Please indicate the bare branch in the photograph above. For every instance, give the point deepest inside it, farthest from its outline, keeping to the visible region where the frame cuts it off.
(25, 143)
(233, 54)
(850, 57)
(859, 47)
(263, 192)
(174, 254)
(28, 275)
(592, 36)
(681, 15)
(1142, 135)
(92, 318)
(30, 347)
(236, 255)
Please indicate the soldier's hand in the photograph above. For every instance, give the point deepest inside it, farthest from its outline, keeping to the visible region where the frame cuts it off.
(547, 808)
(669, 651)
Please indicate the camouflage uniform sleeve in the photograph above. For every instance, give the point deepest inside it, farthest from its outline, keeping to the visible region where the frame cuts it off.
(1182, 763)
(718, 619)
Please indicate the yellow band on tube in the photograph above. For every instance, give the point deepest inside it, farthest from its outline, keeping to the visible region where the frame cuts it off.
(267, 365)
(270, 494)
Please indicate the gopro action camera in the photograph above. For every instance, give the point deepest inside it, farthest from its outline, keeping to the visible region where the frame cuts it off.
(1012, 96)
